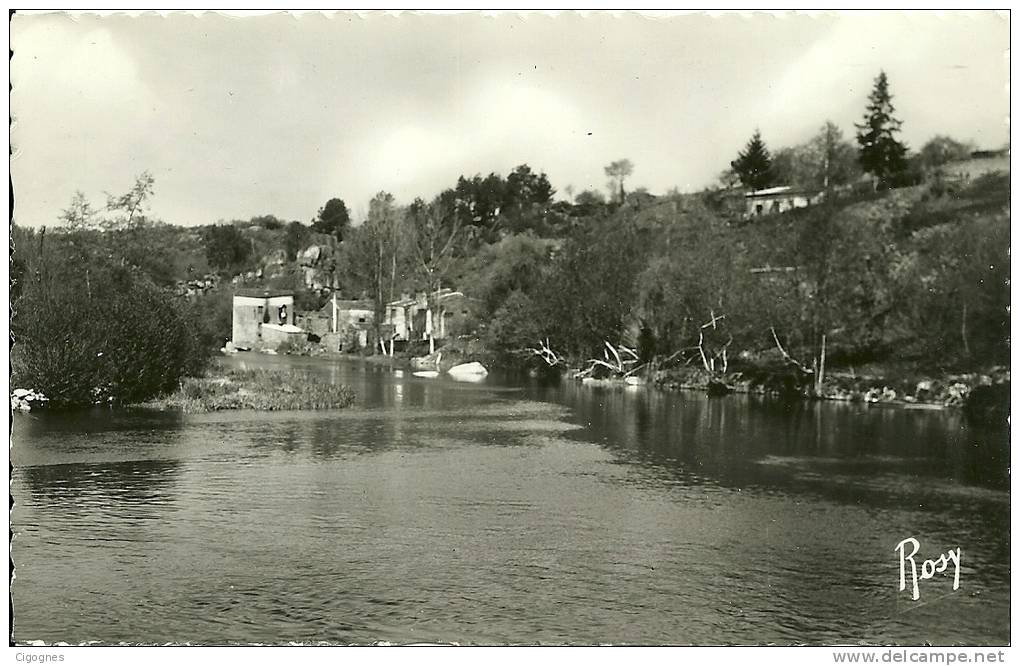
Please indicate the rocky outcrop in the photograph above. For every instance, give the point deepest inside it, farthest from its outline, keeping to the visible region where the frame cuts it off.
(318, 266)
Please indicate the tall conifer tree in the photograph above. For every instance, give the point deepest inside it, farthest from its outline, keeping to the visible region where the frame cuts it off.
(881, 154)
(754, 164)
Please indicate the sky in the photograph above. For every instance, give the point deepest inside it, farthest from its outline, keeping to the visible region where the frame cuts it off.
(243, 116)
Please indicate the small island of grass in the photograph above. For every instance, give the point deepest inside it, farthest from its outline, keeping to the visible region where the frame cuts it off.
(263, 390)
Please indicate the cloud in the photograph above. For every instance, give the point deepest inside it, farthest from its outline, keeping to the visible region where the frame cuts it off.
(77, 97)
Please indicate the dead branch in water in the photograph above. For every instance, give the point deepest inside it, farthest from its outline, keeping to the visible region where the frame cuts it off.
(544, 352)
(616, 364)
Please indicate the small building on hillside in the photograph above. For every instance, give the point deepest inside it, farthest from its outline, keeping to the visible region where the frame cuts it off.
(779, 200)
(408, 315)
(264, 319)
(341, 325)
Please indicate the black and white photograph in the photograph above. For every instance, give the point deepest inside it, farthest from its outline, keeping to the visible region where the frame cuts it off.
(510, 328)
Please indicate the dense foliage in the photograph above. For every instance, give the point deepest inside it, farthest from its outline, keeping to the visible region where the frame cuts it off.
(90, 329)
(754, 164)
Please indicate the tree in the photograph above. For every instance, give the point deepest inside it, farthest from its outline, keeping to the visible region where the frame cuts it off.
(834, 156)
(129, 208)
(526, 198)
(294, 239)
(436, 231)
(588, 295)
(126, 211)
(129, 234)
(333, 219)
(754, 164)
(479, 202)
(728, 179)
(588, 202)
(377, 249)
(80, 214)
(518, 262)
(226, 248)
(827, 160)
(618, 172)
(523, 187)
(880, 153)
(940, 150)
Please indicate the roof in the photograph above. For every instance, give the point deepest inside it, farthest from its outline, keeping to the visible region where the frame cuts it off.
(419, 298)
(782, 189)
(256, 292)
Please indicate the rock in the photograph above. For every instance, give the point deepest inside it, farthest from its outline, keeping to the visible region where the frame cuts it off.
(957, 393)
(316, 256)
(464, 369)
(275, 258)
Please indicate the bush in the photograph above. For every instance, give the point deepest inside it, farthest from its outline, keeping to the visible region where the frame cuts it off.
(101, 334)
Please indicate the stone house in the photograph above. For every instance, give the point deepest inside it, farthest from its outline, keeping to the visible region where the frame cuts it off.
(342, 325)
(264, 319)
(408, 315)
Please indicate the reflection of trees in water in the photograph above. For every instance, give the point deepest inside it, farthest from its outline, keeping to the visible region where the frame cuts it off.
(77, 486)
(726, 437)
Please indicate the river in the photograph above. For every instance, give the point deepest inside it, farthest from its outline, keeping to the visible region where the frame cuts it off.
(506, 512)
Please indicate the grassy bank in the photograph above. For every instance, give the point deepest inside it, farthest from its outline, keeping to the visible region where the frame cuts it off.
(263, 390)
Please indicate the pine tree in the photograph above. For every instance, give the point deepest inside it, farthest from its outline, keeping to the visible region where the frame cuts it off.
(754, 164)
(881, 154)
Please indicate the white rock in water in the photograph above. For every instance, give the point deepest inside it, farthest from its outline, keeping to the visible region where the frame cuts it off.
(21, 393)
(472, 368)
(634, 381)
(426, 373)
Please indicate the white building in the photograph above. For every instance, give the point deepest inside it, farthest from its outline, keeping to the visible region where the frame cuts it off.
(779, 200)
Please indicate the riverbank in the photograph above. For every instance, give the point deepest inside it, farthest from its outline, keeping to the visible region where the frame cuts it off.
(984, 394)
(946, 390)
(262, 390)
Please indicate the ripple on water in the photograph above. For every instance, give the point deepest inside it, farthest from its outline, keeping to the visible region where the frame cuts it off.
(434, 512)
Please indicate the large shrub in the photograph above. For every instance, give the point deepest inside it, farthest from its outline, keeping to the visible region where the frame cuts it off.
(93, 331)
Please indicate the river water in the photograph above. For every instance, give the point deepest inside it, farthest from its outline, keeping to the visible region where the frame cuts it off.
(507, 512)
